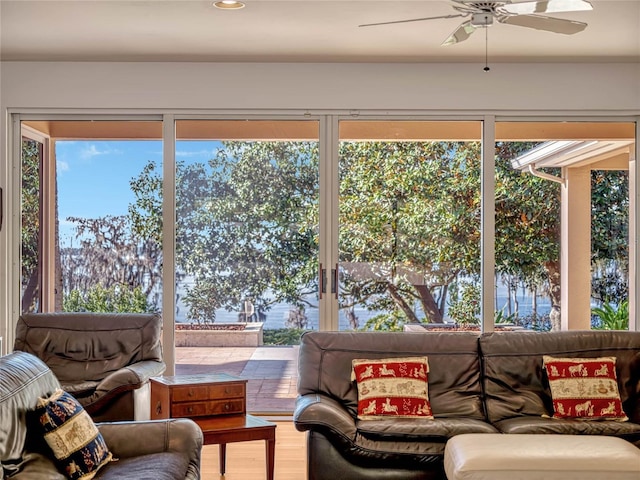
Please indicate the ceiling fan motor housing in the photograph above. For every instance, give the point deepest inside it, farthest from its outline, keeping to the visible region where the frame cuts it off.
(482, 19)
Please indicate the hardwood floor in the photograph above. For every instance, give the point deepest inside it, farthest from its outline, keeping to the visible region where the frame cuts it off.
(246, 460)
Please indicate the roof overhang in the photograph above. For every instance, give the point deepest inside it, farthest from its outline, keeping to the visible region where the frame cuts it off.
(575, 153)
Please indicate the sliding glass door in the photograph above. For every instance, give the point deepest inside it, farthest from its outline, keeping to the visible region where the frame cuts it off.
(87, 241)
(284, 225)
(564, 229)
(247, 245)
(409, 224)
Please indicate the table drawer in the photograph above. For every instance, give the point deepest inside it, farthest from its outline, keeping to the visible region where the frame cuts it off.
(208, 392)
(200, 409)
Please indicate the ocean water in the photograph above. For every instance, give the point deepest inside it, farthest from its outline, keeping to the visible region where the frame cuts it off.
(277, 316)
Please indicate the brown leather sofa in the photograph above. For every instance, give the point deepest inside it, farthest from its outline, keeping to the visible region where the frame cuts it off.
(159, 449)
(477, 384)
(105, 360)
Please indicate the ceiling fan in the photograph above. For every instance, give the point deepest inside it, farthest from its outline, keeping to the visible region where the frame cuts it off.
(482, 14)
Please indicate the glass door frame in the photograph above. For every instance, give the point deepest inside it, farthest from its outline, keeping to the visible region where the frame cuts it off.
(487, 222)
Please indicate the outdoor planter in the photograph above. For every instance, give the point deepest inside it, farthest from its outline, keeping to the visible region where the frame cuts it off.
(219, 335)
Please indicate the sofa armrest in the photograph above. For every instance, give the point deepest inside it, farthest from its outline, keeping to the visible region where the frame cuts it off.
(131, 439)
(319, 412)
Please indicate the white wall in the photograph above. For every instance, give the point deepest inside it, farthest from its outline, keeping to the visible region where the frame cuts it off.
(508, 87)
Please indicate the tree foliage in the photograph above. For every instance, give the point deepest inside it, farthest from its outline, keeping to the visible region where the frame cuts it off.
(610, 235)
(409, 223)
(116, 298)
(30, 232)
(111, 256)
(246, 226)
(409, 216)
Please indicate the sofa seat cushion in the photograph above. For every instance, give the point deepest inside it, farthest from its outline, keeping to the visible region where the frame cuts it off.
(628, 430)
(390, 453)
(440, 429)
(156, 466)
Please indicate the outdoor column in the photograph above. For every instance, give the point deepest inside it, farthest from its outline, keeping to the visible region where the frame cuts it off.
(575, 255)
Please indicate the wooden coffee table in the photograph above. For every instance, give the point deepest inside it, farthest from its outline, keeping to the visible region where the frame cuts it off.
(239, 428)
(217, 403)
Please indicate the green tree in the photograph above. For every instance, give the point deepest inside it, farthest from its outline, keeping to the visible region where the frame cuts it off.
(610, 236)
(409, 225)
(246, 225)
(30, 232)
(527, 226)
(409, 216)
(108, 261)
(116, 298)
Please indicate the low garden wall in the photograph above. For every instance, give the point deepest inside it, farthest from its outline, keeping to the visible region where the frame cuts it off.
(235, 335)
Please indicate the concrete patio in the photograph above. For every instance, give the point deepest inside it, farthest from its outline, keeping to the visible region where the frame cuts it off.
(271, 371)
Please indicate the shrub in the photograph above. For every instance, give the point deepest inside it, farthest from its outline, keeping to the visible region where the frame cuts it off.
(282, 336)
(608, 317)
(386, 322)
(118, 298)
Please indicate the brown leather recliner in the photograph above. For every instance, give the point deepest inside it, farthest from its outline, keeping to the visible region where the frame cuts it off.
(155, 449)
(105, 360)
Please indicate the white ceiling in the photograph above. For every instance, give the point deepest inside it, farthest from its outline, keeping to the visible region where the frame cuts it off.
(297, 31)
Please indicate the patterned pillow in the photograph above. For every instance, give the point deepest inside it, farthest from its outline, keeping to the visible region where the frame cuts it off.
(392, 387)
(76, 443)
(584, 388)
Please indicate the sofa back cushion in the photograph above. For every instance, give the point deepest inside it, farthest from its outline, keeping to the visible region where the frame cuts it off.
(454, 368)
(515, 383)
(23, 379)
(89, 346)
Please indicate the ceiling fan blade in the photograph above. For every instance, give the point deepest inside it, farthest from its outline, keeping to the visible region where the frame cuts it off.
(550, 6)
(460, 34)
(414, 20)
(550, 24)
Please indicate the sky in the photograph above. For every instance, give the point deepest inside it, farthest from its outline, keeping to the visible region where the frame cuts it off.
(94, 176)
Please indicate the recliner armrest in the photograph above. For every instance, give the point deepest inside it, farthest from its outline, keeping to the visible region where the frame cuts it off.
(315, 411)
(132, 439)
(123, 380)
(145, 369)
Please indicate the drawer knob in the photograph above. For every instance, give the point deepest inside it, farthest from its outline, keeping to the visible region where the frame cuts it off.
(226, 391)
(227, 406)
(190, 409)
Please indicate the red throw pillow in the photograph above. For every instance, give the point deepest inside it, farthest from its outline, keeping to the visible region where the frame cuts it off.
(584, 388)
(394, 387)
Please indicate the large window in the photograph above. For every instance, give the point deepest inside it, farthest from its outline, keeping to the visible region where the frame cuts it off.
(409, 238)
(326, 223)
(562, 224)
(247, 202)
(82, 205)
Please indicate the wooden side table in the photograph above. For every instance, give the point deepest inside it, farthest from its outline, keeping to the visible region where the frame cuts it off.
(217, 403)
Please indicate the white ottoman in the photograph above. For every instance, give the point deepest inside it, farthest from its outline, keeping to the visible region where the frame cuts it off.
(477, 456)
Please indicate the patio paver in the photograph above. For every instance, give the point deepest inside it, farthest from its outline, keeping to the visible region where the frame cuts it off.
(271, 371)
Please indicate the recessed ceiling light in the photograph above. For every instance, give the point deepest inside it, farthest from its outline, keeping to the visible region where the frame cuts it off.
(228, 5)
